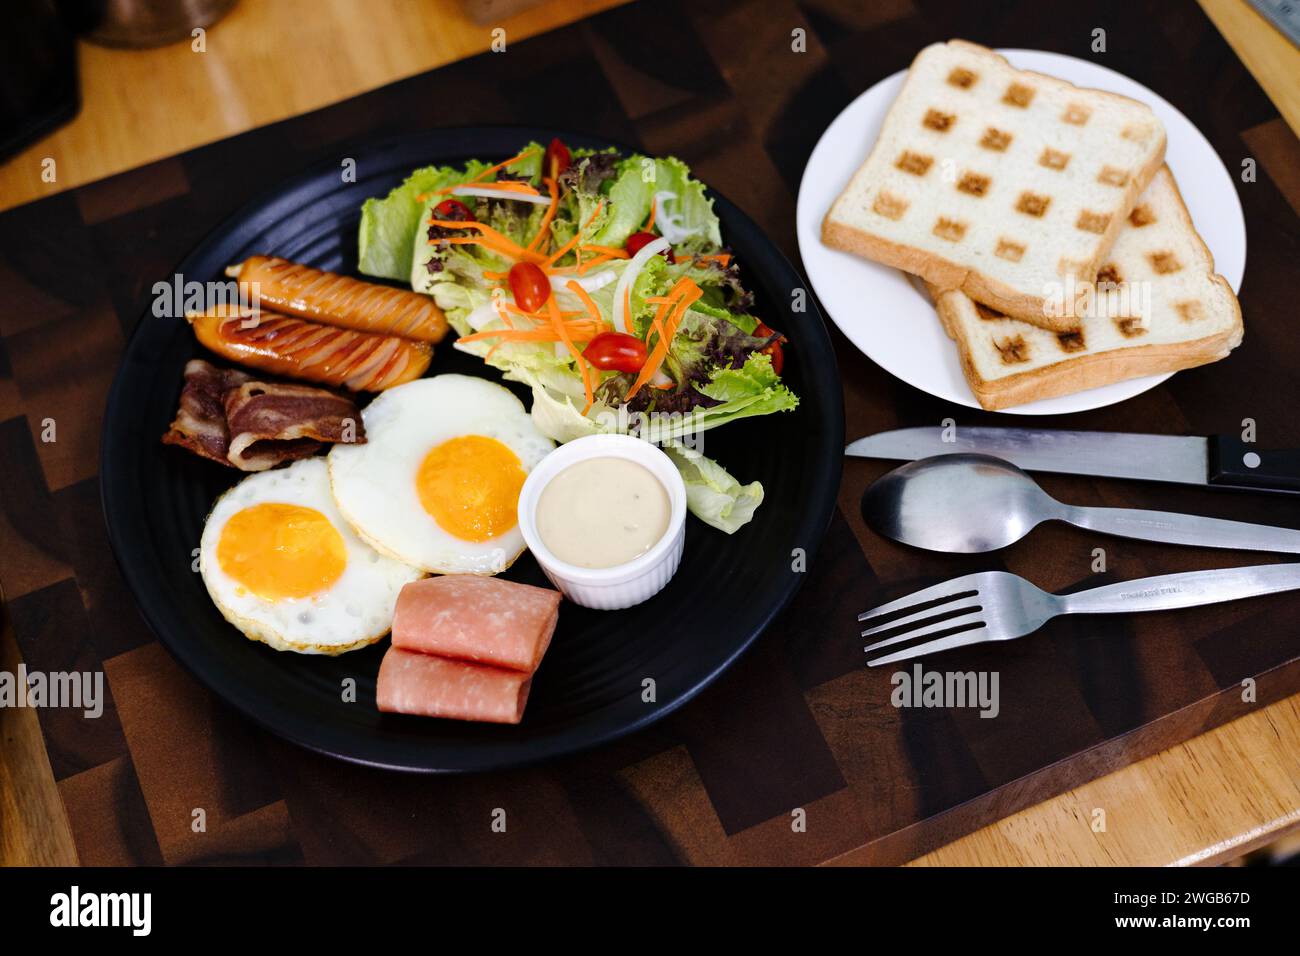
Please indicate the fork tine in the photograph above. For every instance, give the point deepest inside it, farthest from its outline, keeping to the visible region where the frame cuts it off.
(950, 589)
(977, 636)
(938, 627)
(955, 610)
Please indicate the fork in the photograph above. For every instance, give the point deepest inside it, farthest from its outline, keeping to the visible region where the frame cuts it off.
(1000, 606)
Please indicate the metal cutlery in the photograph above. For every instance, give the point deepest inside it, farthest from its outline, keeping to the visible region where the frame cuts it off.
(967, 504)
(1000, 606)
(1221, 461)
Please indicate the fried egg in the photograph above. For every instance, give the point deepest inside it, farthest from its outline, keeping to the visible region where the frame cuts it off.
(283, 566)
(436, 485)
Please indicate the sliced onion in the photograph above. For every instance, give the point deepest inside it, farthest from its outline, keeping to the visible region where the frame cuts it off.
(484, 193)
(479, 318)
(669, 222)
(628, 279)
(590, 283)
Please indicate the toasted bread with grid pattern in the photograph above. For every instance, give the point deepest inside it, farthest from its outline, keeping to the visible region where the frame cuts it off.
(1005, 184)
(1158, 306)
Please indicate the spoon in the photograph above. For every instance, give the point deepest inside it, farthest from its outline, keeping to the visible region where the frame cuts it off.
(967, 504)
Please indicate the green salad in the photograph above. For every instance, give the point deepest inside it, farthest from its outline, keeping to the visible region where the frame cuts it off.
(600, 280)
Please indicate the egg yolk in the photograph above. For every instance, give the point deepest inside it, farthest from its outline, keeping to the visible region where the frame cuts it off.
(470, 486)
(280, 551)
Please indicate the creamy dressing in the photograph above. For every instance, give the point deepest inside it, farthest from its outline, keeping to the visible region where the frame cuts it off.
(602, 512)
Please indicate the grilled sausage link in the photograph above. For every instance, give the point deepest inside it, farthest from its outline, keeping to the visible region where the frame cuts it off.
(333, 299)
(295, 348)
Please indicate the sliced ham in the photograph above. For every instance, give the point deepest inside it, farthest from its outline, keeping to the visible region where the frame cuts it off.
(479, 619)
(414, 683)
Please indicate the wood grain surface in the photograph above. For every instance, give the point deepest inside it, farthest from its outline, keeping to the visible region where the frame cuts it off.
(266, 60)
(1199, 801)
(1270, 56)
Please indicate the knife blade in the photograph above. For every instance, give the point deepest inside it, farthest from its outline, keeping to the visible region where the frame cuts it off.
(1222, 461)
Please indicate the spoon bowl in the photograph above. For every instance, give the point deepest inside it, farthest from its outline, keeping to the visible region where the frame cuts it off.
(968, 504)
(958, 504)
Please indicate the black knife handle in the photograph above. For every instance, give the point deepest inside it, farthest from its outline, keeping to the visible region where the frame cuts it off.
(1231, 460)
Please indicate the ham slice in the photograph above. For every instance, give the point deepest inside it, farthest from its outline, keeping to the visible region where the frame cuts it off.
(414, 683)
(479, 619)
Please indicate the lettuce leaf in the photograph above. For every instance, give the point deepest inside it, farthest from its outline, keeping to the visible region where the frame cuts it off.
(386, 236)
(712, 494)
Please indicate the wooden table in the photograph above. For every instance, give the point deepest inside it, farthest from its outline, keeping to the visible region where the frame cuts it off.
(1207, 800)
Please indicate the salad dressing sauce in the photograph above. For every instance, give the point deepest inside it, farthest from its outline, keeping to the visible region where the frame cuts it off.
(602, 512)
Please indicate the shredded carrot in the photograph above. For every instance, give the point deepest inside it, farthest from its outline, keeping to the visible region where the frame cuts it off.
(582, 269)
(495, 276)
(627, 309)
(580, 330)
(485, 229)
(576, 288)
(722, 257)
(505, 186)
(650, 223)
(501, 251)
(544, 228)
(490, 237)
(487, 172)
(498, 306)
(607, 251)
(573, 349)
(559, 253)
(471, 241)
(516, 310)
(686, 293)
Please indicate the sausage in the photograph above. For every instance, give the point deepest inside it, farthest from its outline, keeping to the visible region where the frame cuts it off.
(332, 299)
(411, 683)
(295, 348)
(479, 619)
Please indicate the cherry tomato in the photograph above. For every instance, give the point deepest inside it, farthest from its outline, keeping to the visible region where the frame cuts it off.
(530, 286)
(762, 331)
(453, 210)
(639, 240)
(616, 352)
(557, 158)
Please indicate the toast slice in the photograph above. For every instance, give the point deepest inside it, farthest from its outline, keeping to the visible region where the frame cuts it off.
(1158, 307)
(1005, 184)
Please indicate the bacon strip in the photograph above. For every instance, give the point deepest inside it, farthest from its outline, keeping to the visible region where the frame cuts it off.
(200, 423)
(261, 415)
(228, 417)
(342, 301)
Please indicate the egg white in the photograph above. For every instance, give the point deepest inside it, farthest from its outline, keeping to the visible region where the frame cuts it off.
(354, 611)
(374, 484)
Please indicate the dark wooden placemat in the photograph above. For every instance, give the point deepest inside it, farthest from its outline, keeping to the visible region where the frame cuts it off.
(799, 723)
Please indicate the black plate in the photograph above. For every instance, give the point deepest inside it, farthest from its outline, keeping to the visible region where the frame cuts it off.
(589, 689)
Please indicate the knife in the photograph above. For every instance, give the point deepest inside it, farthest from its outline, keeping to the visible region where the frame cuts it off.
(1220, 461)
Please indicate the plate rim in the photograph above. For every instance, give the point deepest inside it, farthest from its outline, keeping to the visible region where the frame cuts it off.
(186, 653)
(967, 399)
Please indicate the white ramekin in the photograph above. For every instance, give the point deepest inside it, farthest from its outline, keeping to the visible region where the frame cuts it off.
(623, 585)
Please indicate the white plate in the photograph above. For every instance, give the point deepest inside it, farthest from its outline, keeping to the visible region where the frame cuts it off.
(891, 321)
